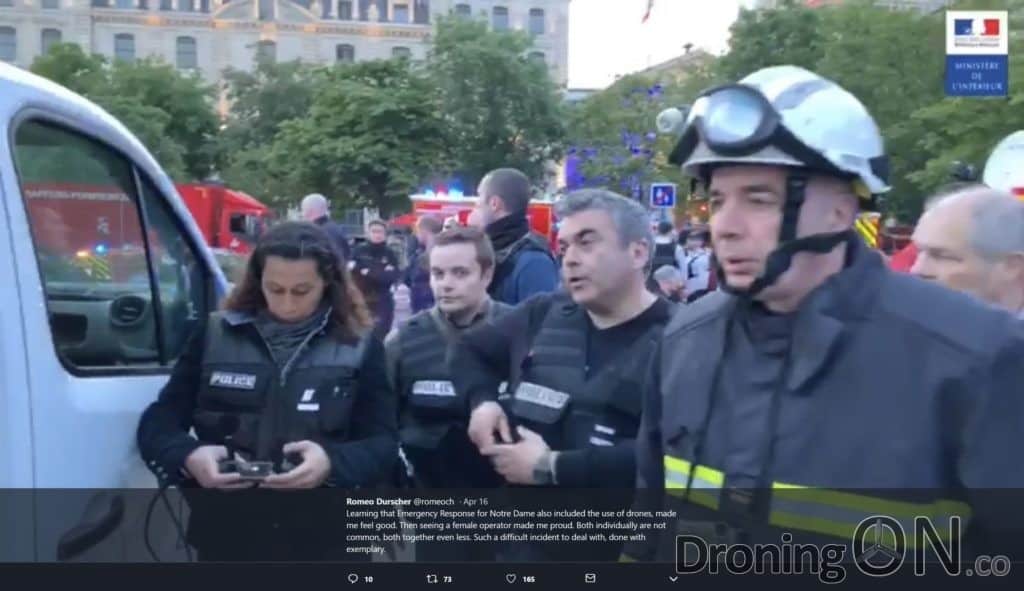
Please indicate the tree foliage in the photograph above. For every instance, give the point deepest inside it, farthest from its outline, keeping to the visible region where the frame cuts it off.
(790, 34)
(500, 106)
(373, 132)
(261, 101)
(893, 61)
(171, 113)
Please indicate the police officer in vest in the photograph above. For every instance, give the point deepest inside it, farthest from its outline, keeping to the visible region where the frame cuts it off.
(818, 390)
(286, 390)
(433, 417)
(572, 361)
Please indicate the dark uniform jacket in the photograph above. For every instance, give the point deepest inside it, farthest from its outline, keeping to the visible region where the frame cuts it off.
(539, 351)
(890, 396)
(433, 417)
(331, 392)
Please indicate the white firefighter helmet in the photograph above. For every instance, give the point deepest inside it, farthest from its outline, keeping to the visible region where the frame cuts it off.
(781, 115)
(1004, 169)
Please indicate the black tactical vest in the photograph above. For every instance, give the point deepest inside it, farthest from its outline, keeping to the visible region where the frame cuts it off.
(245, 396)
(430, 404)
(434, 417)
(554, 397)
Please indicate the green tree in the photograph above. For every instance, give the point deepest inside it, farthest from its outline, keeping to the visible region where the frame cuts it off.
(893, 61)
(962, 128)
(151, 125)
(261, 100)
(500, 105)
(790, 34)
(189, 103)
(171, 114)
(68, 65)
(613, 132)
(374, 131)
(91, 76)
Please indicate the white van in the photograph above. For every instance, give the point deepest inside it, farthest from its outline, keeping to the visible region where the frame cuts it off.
(103, 274)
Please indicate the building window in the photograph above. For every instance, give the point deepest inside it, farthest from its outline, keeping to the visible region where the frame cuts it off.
(345, 10)
(187, 5)
(463, 10)
(50, 4)
(8, 44)
(538, 56)
(49, 38)
(266, 50)
(167, 5)
(125, 3)
(101, 3)
(344, 53)
(401, 13)
(124, 47)
(401, 52)
(421, 11)
(266, 10)
(187, 53)
(499, 18)
(536, 21)
(6, 2)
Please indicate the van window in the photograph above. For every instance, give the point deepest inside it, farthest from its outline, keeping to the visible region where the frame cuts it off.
(184, 286)
(82, 205)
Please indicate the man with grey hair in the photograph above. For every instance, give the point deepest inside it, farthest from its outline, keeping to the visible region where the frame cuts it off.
(571, 361)
(972, 240)
(316, 210)
(670, 282)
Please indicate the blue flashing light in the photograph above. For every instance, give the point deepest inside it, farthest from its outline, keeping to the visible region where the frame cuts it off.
(101, 249)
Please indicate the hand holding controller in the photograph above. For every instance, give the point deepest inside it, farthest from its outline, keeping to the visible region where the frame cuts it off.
(305, 465)
(205, 466)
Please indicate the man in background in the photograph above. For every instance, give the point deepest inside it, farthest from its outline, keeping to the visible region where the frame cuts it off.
(417, 274)
(525, 265)
(695, 263)
(972, 240)
(315, 209)
(374, 267)
(669, 283)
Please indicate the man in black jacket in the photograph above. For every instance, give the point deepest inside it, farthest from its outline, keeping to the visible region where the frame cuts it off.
(525, 265)
(818, 391)
(315, 209)
(571, 361)
(375, 269)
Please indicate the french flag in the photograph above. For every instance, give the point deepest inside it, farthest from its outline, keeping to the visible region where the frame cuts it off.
(981, 27)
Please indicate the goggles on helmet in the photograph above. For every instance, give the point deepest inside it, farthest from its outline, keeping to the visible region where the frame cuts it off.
(736, 120)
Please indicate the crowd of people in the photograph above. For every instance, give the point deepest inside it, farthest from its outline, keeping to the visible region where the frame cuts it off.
(644, 367)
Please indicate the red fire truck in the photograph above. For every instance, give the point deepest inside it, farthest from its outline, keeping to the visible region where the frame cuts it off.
(445, 205)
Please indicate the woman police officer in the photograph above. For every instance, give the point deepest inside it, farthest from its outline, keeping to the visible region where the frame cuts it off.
(288, 381)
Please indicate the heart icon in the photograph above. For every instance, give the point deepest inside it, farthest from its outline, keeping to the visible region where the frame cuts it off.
(511, 578)
(353, 577)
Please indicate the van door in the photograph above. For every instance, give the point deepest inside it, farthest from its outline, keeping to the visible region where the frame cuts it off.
(17, 537)
(123, 286)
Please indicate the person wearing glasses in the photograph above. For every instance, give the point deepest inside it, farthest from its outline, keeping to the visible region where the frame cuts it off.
(817, 389)
(286, 389)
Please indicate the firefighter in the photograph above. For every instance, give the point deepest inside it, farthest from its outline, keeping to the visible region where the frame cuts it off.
(815, 370)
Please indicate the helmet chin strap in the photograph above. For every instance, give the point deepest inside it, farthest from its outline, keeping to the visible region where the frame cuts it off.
(781, 258)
